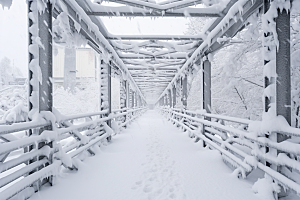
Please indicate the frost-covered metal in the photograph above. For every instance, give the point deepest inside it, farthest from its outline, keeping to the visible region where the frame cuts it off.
(277, 72)
(223, 132)
(207, 85)
(184, 95)
(70, 142)
(155, 67)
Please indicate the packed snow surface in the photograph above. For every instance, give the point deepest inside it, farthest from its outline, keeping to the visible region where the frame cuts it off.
(151, 159)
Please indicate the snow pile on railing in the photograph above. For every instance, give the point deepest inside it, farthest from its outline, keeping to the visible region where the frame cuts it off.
(226, 134)
(57, 141)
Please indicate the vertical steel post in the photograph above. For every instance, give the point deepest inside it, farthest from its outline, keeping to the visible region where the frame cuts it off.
(103, 90)
(207, 86)
(184, 91)
(109, 95)
(267, 80)
(122, 94)
(282, 78)
(174, 96)
(98, 67)
(106, 89)
(129, 97)
(127, 93)
(109, 89)
(170, 98)
(126, 99)
(132, 98)
(135, 100)
(283, 71)
(283, 67)
(178, 91)
(166, 100)
(45, 59)
(140, 101)
(40, 56)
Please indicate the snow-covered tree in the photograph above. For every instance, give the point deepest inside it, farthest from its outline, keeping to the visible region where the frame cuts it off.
(295, 70)
(196, 25)
(6, 71)
(237, 77)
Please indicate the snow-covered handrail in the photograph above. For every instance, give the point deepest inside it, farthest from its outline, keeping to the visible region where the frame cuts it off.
(124, 109)
(215, 116)
(69, 137)
(71, 117)
(5, 129)
(122, 117)
(121, 112)
(221, 137)
(131, 115)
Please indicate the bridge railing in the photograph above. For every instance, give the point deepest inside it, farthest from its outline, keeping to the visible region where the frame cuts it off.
(51, 141)
(243, 147)
(124, 116)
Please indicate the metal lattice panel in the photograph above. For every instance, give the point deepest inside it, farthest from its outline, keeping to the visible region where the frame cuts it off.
(155, 62)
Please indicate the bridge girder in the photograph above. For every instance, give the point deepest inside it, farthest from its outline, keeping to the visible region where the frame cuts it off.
(158, 52)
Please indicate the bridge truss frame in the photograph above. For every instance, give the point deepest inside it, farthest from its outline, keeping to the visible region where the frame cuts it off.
(156, 65)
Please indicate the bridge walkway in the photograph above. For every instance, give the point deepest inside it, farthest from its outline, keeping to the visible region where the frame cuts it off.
(151, 160)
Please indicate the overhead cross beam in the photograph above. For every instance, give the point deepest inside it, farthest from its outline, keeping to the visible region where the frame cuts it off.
(154, 44)
(155, 37)
(172, 5)
(153, 14)
(146, 56)
(127, 11)
(153, 68)
(137, 56)
(156, 61)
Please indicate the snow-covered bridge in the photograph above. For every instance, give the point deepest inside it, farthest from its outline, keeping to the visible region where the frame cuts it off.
(105, 155)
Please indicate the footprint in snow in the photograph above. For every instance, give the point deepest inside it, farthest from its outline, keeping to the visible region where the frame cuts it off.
(147, 189)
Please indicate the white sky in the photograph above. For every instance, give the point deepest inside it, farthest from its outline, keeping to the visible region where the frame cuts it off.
(13, 34)
(14, 41)
(146, 25)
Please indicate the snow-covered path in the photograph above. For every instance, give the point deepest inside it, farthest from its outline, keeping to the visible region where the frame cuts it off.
(152, 159)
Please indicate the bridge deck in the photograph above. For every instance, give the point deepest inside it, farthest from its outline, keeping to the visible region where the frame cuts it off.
(151, 159)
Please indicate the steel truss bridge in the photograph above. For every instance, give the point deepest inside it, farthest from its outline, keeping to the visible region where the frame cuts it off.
(152, 67)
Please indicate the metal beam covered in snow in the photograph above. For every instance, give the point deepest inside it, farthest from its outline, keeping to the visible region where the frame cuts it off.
(152, 14)
(154, 37)
(171, 5)
(149, 56)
